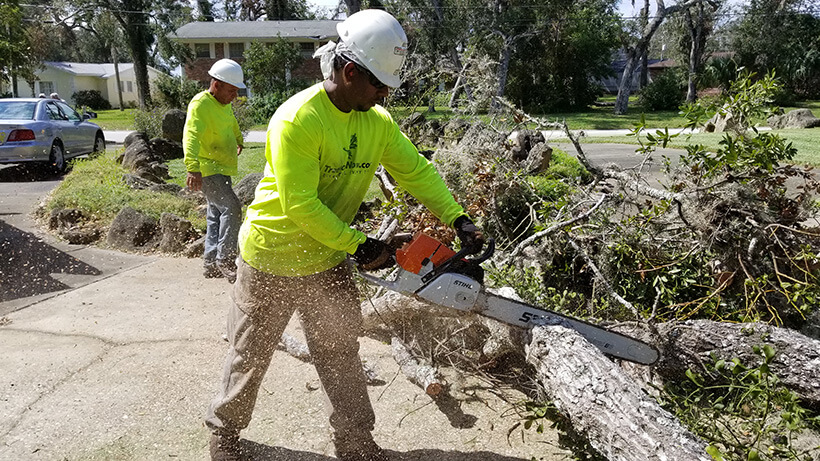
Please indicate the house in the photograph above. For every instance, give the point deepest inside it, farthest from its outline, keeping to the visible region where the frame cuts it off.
(211, 41)
(67, 78)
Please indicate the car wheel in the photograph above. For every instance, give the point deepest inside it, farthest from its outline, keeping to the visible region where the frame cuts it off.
(56, 160)
(99, 146)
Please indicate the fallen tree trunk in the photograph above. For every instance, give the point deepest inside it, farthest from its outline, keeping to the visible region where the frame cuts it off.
(621, 421)
(691, 343)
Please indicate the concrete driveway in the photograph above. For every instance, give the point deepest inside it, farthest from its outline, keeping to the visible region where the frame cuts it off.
(114, 356)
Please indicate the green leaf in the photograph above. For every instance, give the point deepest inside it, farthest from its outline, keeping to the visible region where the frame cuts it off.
(753, 455)
(714, 452)
(768, 352)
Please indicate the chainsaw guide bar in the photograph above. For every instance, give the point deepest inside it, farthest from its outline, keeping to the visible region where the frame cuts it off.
(430, 271)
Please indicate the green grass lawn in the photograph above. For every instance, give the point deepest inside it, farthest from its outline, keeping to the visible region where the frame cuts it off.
(115, 119)
(807, 142)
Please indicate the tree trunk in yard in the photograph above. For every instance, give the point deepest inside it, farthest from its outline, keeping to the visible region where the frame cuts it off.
(640, 48)
(117, 74)
(622, 422)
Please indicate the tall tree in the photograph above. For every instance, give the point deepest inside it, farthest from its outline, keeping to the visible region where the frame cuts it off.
(782, 35)
(637, 46)
(16, 55)
(699, 22)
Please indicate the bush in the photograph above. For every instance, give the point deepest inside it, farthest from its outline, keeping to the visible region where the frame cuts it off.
(666, 92)
(175, 92)
(91, 98)
(264, 106)
(149, 121)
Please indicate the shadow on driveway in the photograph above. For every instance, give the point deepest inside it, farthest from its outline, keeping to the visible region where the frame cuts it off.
(27, 263)
(261, 452)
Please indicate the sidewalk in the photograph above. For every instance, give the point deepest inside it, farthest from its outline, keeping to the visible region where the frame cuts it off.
(121, 363)
(259, 136)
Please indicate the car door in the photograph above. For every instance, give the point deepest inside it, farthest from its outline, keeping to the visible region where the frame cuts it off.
(79, 135)
(59, 122)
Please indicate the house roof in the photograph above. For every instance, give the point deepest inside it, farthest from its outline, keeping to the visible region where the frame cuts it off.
(315, 29)
(89, 69)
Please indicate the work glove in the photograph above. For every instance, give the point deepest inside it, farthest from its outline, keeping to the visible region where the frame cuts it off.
(374, 254)
(471, 238)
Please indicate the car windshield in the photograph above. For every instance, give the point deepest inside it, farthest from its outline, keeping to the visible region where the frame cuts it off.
(17, 110)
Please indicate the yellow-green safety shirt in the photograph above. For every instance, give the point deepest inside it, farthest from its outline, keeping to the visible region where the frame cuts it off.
(320, 162)
(211, 136)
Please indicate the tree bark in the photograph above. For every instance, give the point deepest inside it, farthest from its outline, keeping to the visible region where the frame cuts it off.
(621, 421)
(640, 47)
(426, 376)
(690, 344)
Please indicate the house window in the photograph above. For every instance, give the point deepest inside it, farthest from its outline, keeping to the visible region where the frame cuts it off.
(306, 49)
(129, 86)
(46, 88)
(202, 50)
(236, 50)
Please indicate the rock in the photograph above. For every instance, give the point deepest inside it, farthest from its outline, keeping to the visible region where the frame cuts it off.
(165, 187)
(538, 159)
(81, 235)
(173, 124)
(175, 233)
(135, 182)
(167, 150)
(523, 141)
(720, 123)
(131, 230)
(71, 226)
(798, 118)
(139, 154)
(65, 217)
(195, 249)
(246, 187)
(135, 136)
(155, 172)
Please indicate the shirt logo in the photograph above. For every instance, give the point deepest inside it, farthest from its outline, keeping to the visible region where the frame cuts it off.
(350, 164)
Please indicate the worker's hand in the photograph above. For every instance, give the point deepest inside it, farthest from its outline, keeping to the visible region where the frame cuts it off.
(194, 181)
(468, 233)
(374, 254)
(239, 150)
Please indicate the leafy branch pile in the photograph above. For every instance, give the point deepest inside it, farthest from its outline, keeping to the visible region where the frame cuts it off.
(732, 236)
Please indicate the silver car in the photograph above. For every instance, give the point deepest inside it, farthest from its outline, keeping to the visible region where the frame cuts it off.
(47, 131)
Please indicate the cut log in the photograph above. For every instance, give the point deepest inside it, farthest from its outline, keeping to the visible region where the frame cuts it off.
(299, 350)
(691, 343)
(621, 421)
(418, 372)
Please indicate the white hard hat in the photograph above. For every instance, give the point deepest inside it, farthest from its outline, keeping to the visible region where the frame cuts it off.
(377, 39)
(228, 71)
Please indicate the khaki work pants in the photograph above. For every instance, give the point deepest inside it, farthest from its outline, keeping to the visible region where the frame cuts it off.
(328, 307)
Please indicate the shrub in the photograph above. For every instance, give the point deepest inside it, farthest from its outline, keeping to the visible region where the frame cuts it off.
(175, 92)
(149, 121)
(666, 92)
(92, 99)
(264, 106)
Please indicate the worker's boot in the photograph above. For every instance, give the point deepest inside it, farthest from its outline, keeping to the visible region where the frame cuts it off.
(359, 450)
(225, 447)
(228, 269)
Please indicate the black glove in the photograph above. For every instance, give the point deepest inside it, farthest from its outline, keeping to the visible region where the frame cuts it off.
(469, 235)
(374, 254)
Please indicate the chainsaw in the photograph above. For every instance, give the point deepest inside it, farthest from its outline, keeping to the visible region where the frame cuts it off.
(430, 271)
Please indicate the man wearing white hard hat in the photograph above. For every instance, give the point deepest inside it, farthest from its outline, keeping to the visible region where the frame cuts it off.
(212, 142)
(324, 145)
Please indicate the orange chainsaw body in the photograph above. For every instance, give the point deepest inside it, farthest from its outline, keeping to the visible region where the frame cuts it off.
(423, 248)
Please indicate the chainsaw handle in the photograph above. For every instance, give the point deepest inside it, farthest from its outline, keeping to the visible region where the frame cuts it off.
(441, 268)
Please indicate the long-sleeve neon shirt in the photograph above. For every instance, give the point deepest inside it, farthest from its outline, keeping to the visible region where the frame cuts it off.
(320, 162)
(211, 137)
